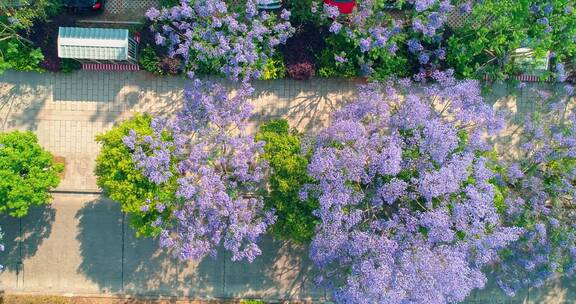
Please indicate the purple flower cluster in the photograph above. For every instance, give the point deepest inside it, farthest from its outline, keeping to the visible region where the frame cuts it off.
(465, 8)
(218, 172)
(208, 32)
(543, 187)
(406, 204)
(561, 74)
(556, 24)
(430, 24)
(375, 31)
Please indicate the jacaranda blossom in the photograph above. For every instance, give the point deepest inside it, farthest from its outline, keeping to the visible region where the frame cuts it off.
(209, 35)
(407, 212)
(542, 188)
(218, 171)
(375, 32)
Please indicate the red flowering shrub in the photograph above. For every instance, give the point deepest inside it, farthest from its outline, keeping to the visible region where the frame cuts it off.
(301, 70)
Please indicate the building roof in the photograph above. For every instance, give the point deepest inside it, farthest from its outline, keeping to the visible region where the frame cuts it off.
(93, 43)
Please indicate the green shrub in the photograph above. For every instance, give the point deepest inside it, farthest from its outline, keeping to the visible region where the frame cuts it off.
(21, 57)
(149, 61)
(27, 173)
(341, 46)
(474, 51)
(384, 63)
(288, 175)
(274, 68)
(122, 182)
(300, 11)
(391, 65)
(169, 3)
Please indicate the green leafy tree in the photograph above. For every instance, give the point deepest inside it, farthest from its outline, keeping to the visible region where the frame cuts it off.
(288, 174)
(123, 183)
(27, 173)
(301, 12)
(21, 14)
(22, 57)
(16, 18)
(487, 42)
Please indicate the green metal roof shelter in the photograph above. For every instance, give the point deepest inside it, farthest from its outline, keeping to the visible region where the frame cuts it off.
(96, 45)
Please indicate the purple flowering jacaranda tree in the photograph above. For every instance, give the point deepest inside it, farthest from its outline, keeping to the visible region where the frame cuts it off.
(377, 32)
(542, 190)
(217, 169)
(211, 35)
(407, 205)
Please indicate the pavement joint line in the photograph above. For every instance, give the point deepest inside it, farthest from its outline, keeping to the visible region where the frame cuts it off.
(80, 192)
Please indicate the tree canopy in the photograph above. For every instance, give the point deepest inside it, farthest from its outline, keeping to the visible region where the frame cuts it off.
(27, 173)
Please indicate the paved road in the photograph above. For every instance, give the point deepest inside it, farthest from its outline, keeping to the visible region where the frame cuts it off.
(82, 244)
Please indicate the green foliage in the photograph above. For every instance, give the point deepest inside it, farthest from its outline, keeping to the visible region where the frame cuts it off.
(149, 61)
(69, 65)
(289, 173)
(382, 61)
(3, 65)
(27, 173)
(20, 56)
(122, 182)
(300, 11)
(27, 13)
(487, 41)
(169, 3)
(390, 65)
(386, 64)
(274, 68)
(501, 190)
(342, 46)
(16, 52)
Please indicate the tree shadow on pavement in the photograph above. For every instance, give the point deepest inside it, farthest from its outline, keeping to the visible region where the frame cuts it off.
(283, 271)
(517, 105)
(137, 92)
(307, 104)
(22, 237)
(100, 238)
(21, 102)
(153, 271)
(557, 291)
(120, 263)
